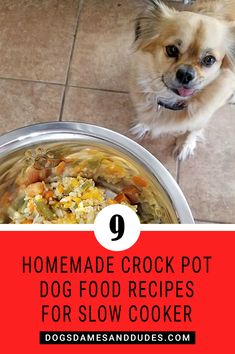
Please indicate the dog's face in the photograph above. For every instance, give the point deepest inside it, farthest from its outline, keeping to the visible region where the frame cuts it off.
(187, 49)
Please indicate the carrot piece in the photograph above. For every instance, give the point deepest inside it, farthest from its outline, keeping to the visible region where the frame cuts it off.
(121, 198)
(140, 181)
(48, 194)
(33, 175)
(26, 221)
(111, 201)
(60, 168)
(132, 193)
(35, 189)
(30, 206)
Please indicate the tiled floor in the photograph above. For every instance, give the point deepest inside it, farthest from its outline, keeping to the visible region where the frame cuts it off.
(68, 60)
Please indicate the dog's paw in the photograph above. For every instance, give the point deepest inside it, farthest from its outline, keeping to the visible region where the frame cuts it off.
(183, 152)
(140, 130)
(186, 144)
(184, 149)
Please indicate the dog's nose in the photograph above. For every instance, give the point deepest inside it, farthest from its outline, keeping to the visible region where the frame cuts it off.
(185, 74)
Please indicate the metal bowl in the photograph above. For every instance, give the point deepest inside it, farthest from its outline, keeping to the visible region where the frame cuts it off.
(57, 135)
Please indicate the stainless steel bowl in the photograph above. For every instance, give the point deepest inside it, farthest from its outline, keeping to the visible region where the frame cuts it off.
(56, 135)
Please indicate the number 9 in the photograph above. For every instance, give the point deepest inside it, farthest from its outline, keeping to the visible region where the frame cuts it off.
(117, 226)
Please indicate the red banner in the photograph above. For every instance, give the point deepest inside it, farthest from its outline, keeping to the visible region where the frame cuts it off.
(175, 282)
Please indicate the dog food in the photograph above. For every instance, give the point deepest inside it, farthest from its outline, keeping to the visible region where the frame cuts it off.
(72, 189)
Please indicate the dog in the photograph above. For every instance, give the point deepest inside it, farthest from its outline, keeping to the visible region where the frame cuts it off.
(182, 69)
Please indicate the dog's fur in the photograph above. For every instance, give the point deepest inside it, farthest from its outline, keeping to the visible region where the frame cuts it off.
(163, 105)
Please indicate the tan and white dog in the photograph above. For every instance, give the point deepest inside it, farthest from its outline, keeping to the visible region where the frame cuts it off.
(182, 69)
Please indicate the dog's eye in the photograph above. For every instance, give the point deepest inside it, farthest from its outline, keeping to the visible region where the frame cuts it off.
(172, 51)
(209, 60)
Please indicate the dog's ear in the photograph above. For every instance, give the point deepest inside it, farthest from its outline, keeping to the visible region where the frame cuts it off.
(229, 60)
(148, 24)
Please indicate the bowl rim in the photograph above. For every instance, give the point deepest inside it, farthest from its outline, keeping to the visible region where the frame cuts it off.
(22, 137)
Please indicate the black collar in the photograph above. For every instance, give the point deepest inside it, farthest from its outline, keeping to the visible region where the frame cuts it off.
(177, 106)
